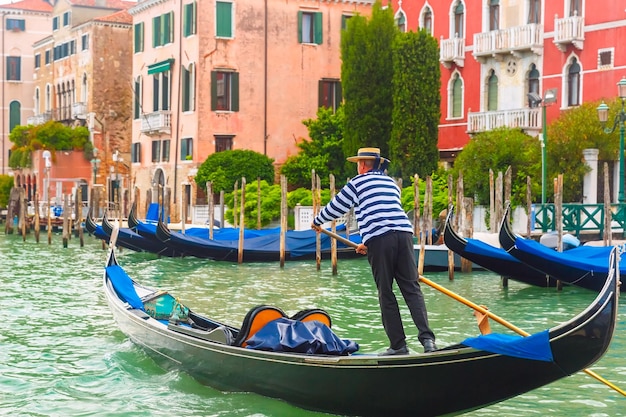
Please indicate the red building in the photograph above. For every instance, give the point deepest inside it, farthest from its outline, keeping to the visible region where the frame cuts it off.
(494, 53)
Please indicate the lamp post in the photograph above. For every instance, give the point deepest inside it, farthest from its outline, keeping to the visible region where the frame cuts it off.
(620, 118)
(116, 192)
(549, 97)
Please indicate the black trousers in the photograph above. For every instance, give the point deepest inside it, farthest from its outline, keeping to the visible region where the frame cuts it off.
(391, 256)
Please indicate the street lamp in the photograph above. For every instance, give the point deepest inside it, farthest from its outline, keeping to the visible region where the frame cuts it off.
(95, 164)
(549, 97)
(603, 116)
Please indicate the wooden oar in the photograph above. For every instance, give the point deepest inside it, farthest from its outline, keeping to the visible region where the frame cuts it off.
(478, 308)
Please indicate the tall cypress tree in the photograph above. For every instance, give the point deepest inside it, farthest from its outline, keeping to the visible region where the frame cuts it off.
(366, 80)
(416, 104)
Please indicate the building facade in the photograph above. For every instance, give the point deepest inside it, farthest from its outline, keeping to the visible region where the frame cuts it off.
(211, 75)
(23, 23)
(503, 60)
(82, 74)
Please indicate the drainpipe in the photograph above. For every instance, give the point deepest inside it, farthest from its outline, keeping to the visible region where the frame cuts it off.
(265, 88)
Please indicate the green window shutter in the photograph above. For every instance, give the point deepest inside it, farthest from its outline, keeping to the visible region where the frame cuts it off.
(300, 26)
(338, 95)
(194, 18)
(234, 84)
(457, 97)
(139, 37)
(224, 19)
(492, 94)
(137, 111)
(318, 30)
(155, 92)
(167, 33)
(15, 110)
(186, 88)
(156, 31)
(187, 20)
(213, 90)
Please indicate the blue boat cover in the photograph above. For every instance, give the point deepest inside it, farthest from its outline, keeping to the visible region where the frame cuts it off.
(312, 337)
(535, 347)
(123, 285)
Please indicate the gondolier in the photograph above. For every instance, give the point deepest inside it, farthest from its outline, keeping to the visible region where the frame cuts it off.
(387, 239)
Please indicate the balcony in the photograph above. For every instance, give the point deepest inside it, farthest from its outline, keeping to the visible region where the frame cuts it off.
(511, 41)
(79, 111)
(39, 119)
(569, 31)
(526, 119)
(452, 51)
(157, 122)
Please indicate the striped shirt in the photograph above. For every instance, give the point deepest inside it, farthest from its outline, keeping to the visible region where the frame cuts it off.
(376, 201)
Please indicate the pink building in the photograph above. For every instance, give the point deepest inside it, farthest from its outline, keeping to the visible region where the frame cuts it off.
(493, 53)
(218, 75)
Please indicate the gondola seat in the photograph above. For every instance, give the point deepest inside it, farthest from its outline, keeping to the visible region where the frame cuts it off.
(255, 320)
(313, 314)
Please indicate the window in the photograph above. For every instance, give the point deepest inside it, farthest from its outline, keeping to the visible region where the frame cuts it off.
(456, 106)
(84, 42)
(156, 150)
(344, 21)
(223, 19)
(330, 94)
(165, 156)
(162, 29)
(459, 17)
(55, 23)
(14, 68)
(494, 14)
(605, 58)
(37, 60)
(66, 18)
(161, 91)
(84, 89)
(310, 27)
(224, 91)
(223, 143)
(188, 90)
(492, 91)
(48, 98)
(15, 111)
(573, 84)
(37, 108)
(534, 11)
(427, 20)
(138, 94)
(16, 25)
(533, 85)
(189, 19)
(135, 152)
(138, 37)
(401, 21)
(574, 8)
(48, 57)
(186, 149)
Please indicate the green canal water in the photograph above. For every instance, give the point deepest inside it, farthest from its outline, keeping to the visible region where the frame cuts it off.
(61, 353)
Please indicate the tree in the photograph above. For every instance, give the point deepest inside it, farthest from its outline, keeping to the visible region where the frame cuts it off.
(323, 152)
(366, 77)
(497, 150)
(6, 183)
(223, 169)
(416, 105)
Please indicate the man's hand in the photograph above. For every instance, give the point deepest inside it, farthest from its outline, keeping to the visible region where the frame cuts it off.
(315, 227)
(362, 249)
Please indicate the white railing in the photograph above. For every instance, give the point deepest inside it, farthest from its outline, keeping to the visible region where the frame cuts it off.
(569, 30)
(519, 38)
(527, 119)
(452, 50)
(39, 119)
(79, 111)
(159, 121)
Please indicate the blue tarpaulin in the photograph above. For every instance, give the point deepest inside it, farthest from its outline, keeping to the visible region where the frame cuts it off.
(535, 347)
(123, 285)
(286, 335)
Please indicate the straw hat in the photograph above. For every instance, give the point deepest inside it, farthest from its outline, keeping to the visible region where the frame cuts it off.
(368, 153)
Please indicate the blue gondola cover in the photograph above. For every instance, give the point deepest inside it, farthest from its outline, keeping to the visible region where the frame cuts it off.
(536, 346)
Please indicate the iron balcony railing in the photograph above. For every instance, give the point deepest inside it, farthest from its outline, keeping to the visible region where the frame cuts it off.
(579, 218)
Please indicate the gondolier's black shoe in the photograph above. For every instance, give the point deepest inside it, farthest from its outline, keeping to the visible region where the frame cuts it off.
(429, 345)
(400, 351)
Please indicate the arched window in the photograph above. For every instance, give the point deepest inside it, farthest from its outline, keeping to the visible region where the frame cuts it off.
(83, 88)
(494, 14)
(459, 17)
(401, 20)
(137, 102)
(492, 91)
(456, 96)
(533, 84)
(427, 20)
(48, 98)
(573, 84)
(37, 101)
(15, 114)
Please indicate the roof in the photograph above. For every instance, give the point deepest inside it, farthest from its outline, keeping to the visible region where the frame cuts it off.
(118, 17)
(31, 5)
(107, 4)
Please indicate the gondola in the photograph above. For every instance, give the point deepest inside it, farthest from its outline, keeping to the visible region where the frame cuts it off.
(358, 383)
(584, 266)
(127, 238)
(299, 245)
(492, 258)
